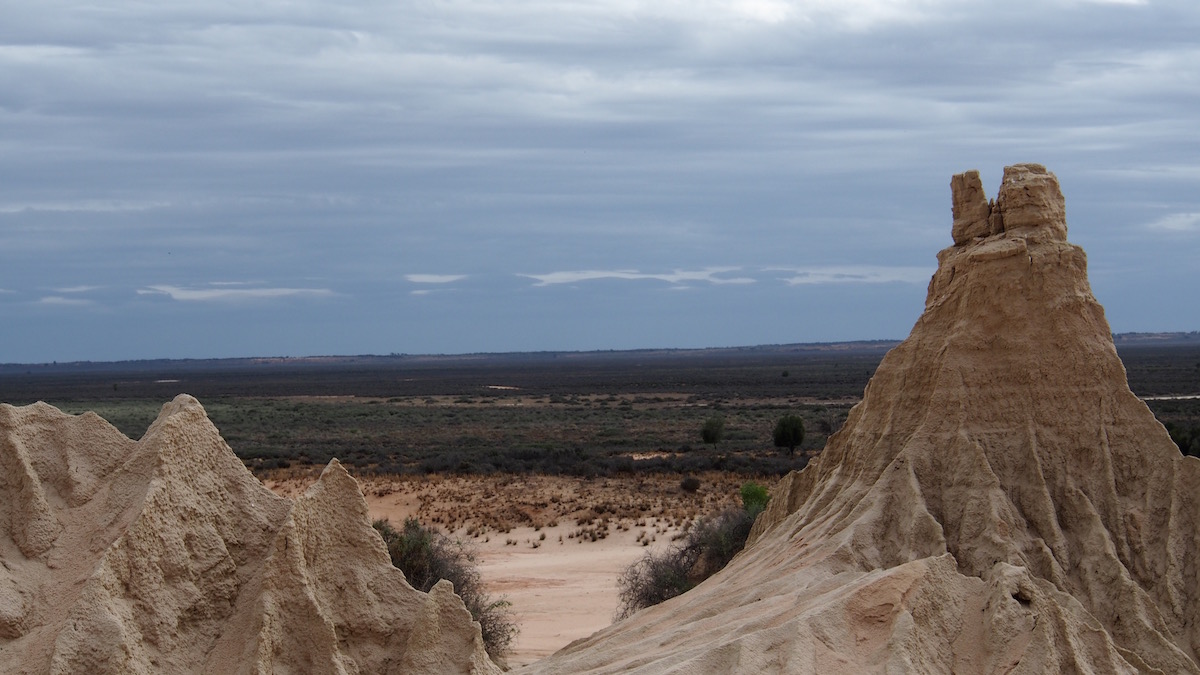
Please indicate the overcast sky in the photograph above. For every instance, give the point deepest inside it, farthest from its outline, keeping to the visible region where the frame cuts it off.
(229, 178)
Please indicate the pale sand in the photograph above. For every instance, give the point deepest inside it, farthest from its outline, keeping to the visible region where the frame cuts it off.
(560, 592)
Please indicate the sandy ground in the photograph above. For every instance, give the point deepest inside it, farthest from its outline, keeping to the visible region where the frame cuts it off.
(552, 546)
(560, 591)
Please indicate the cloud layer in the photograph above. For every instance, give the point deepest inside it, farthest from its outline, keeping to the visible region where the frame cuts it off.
(712, 275)
(530, 165)
(222, 293)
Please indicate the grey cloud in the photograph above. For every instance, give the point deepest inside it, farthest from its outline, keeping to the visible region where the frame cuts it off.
(61, 301)
(226, 294)
(710, 275)
(434, 278)
(100, 206)
(76, 289)
(859, 274)
(1177, 222)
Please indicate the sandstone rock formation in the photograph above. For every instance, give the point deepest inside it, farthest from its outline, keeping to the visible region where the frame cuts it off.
(999, 502)
(166, 555)
(1029, 200)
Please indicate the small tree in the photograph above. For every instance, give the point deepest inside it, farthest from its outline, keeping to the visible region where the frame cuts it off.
(789, 432)
(713, 430)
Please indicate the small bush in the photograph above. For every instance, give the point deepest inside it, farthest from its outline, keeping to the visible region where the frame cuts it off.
(651, 580)
(754, 498)
(717, 539)
(426, 557)
(713, 430)
(689, 484)
(706, 548)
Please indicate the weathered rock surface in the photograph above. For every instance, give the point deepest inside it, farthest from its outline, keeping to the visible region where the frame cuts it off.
(970, 206)
(999, 502)
(1030, 203)
(166, 555)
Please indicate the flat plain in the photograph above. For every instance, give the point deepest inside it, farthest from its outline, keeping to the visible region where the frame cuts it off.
(556, 413)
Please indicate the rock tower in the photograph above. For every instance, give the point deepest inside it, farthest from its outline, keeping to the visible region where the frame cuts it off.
(999, 502)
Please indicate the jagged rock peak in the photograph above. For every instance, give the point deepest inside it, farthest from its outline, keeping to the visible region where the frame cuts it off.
(165, 555)
(1030, 202)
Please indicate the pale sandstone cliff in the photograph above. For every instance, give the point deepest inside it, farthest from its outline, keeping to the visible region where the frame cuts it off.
(166, 555)
(999, 502)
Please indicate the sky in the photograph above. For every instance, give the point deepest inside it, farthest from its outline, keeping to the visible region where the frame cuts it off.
(197, 179)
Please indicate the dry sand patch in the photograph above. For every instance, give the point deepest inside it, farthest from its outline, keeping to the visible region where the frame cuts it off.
(554, 546)
(562, 590)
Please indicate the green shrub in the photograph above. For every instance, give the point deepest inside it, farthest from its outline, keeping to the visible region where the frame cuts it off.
(426, 557)
(689, 484)
(754, 498)
(713, 430)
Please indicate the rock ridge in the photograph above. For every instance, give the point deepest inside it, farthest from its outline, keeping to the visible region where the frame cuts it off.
(167, 555)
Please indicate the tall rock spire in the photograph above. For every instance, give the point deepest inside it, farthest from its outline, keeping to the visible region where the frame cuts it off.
(998, 502)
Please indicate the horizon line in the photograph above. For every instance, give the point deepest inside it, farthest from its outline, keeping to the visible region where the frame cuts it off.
(1149, 337)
